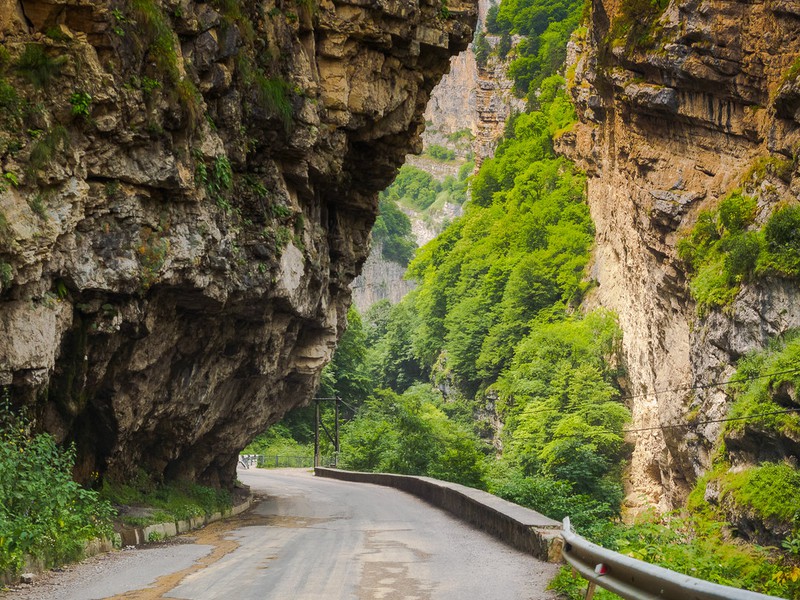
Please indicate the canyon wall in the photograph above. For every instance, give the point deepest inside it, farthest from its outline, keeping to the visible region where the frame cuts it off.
(380, 279)
(187, 193)
(676, 109)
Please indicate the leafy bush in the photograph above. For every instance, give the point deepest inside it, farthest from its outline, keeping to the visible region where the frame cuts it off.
(736, 212)
(81, 102)
(414, 186)
(411, 434)
(173, 501)
(44, 513)
(551, 497)
(725, 249)
(545, 28)
(278, 441)
(782, 238)
(440, 152)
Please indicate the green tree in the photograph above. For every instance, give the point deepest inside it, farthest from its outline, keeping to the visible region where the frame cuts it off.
(393, 231)
(345, 375)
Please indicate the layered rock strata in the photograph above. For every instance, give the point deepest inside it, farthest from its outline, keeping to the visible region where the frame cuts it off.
(188, 193)
(675, 109)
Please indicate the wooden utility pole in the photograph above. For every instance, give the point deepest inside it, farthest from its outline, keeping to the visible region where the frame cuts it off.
(336, 435)
(316, 433)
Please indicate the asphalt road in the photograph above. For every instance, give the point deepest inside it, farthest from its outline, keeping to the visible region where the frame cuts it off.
(314, 539)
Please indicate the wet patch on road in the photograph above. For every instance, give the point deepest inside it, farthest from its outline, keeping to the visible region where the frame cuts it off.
(389, 577)
(216, 535)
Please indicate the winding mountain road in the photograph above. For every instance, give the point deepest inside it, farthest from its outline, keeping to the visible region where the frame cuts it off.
(314, 539)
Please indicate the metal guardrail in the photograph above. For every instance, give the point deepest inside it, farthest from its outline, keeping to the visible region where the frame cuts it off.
(638, 580)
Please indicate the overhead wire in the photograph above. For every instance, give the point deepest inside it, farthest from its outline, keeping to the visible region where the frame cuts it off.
(703, 386)
(709, 421)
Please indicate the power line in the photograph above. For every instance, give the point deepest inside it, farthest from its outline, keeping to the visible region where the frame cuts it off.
(686, 388)
(686, 425)
(703, 386)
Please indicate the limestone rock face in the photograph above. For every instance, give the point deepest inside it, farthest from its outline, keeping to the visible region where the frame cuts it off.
(191, 194)
(667, 129)
(380, 279)
(495, 102)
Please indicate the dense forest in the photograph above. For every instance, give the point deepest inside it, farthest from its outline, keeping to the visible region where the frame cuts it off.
(493, 374)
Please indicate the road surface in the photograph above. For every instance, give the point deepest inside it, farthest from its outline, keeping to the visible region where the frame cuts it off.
(313, 539)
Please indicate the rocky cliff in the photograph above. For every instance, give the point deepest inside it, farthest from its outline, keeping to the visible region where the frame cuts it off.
(380, 279)
(188, 189)
(679, 103)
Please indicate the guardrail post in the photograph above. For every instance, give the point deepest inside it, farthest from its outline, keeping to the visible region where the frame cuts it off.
(590, 591)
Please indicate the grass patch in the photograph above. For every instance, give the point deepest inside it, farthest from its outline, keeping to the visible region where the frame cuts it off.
(150, 20)
(772, 490)
(273, 94)
(759, 391)
(636, 24)
(231, 11)
(6, 275)
(174, 501)
(46, 148)
(37, 67)
(10, 106)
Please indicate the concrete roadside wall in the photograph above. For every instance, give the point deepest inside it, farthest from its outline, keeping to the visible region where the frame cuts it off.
(520, 527)
(134, 536)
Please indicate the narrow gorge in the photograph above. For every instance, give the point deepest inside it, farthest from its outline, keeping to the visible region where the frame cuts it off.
(596, 212)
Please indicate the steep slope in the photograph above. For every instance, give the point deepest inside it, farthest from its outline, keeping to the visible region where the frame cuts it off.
(681, 103)
(188, 192)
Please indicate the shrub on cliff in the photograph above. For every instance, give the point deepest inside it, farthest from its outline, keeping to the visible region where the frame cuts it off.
(44, 513)
(726, 249)
(782, 237)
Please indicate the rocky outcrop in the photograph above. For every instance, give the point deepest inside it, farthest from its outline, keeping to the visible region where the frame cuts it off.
(495, 103)
(675, 110)
(453, 104)
(380, 279)
(188, 189)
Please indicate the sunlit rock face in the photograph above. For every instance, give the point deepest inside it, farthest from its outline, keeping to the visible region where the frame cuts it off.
(670, 122)
(193, 188)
